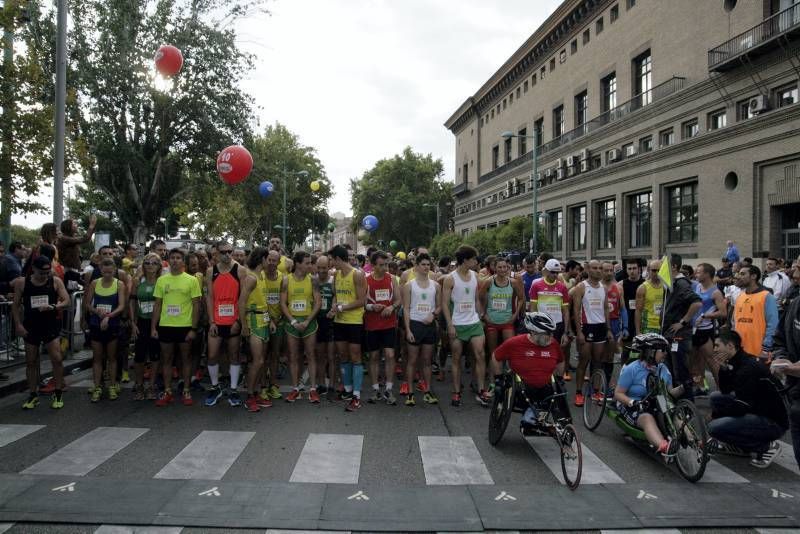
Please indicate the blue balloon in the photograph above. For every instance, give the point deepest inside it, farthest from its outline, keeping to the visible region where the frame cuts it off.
(266, 188)
(370, 223)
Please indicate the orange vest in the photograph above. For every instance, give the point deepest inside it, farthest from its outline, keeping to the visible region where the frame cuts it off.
(751, 322)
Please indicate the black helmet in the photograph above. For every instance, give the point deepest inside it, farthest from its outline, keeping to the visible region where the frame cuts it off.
(539, 323)
(648, 344)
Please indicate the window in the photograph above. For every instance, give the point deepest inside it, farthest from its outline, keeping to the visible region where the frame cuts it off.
(717, 119)
(598, 26)
(646, 144)
(743, 111)
(786, 96)
(628, 151)
(579, 228)
(492, 114)
(495, 157)
(581, 109)
(498, 108)
(507, 150)
(586, 37)
(552, 64)
(510, 98)
(641, 206)
(666, 137)
(613, 14)
(597, 162)
(465, 173)
(643, 78)
(555, 228)
(542, 73)
(689, 129)
(630, 3)
(682, 213)
(538, 131)
(504, 103)
(525, 85)
(558, 122)
(562, 56)
(606, 223)
(519, 92)
(573, 47)
(609, 91)
(522, 140)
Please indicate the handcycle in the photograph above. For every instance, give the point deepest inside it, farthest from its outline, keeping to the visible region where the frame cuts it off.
(510, 397)
(678, 421)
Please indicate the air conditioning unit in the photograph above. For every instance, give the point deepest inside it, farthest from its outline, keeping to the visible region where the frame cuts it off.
(759, 103)
(489, 200)
(571, 160)
(572, 171)
(561, 174)
(613, 154)
(585, 165)
(548, 173)
(585, 154)
(559, 163)
(630, 151)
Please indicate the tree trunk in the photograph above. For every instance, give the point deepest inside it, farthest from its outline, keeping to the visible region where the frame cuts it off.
(140, 232)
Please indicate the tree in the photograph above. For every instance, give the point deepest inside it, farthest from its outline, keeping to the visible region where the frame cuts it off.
(445, 244)
(27, 236)
(402, 192)
(516, 236)
(510, 237)
(144, 148)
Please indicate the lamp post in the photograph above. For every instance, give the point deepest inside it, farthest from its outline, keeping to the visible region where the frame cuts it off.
(438, 219)
(535, 187)
(286, 175)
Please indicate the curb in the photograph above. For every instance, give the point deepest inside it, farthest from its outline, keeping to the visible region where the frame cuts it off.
(74, 366)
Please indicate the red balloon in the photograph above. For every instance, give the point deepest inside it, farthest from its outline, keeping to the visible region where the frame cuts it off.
(169, 60)
(234, 164)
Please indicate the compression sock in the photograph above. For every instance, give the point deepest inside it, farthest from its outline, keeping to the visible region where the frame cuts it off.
(213, 373)
(389, 387)
(235, 370)
(608, 370)
(347, 376)
(358, 378)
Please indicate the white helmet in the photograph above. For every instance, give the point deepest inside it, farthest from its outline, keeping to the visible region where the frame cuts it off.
(539, 323)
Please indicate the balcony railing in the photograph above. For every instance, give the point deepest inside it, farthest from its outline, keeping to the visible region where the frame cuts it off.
(782, 23)
(460, 189)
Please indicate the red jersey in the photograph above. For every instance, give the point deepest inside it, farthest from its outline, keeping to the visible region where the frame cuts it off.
(379, 292)
(614, 304)
(226, 295)
(534, 364)
(549, 298)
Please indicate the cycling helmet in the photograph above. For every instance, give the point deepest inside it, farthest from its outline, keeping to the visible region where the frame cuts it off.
(539, 323)
(649, 344)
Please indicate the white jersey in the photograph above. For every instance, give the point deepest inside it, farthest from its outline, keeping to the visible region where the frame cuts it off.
(423, 301)
(593, 311)
(463, 300)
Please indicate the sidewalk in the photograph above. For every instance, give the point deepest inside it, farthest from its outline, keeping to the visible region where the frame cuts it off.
(76, 362)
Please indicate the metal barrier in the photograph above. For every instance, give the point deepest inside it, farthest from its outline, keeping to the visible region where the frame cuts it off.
(72, 322)
(12, 348)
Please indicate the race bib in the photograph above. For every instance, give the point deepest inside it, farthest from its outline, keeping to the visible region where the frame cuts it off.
(104, 308)
(595, 303)
(225, 310)
(264, 319)
(37, 301)
(465, 307)
(423, 308)
(550, 308)
(500, 304)
(632, 304)
(273, 299)
(299, 306)
(146, 306)
(382, 295)
(657, 309)
(173, 310)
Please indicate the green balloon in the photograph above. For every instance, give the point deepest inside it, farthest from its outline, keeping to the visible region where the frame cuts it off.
(393, 244)
(331, 227)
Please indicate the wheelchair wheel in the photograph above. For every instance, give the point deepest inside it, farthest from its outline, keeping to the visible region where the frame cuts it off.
(571, 455)
(594, 406)
(502, 406)
(690, 429)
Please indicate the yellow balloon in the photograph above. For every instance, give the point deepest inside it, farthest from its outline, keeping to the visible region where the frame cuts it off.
(401, 255)
(315, 185)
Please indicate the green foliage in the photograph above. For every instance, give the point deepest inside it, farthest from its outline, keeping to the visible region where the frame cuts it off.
(396, 191)
(445, 244)
(26, 236)
(512, 236)
(483, 240)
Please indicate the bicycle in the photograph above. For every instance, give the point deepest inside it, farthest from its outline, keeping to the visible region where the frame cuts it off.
(510, 397)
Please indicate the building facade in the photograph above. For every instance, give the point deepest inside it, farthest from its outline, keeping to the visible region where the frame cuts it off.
(659, 126)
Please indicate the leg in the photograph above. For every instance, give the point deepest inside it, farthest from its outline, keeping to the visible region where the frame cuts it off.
(477, 343)
(648, 423)
(97, 363)
(456, 349)
(794, 421)
(388, 354)
(346, 366)
(212, 364)
(167, 352)
(598, 360)
(185, 350)
(412, 352)
(750, 432)
(358, 368)
(426, 351)
(111, 359)
(584, 357)
(254, 370)
(310, 345)
(294, 360)
(374, 373)
(232, 345)
(32, 366)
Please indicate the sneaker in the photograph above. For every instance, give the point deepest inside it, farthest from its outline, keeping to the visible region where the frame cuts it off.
(150, 393)
(313, 396)
(764, 459)
(58, 400)
(430, 398)
(422, 385)
(579, 400)
(187, 399)
(32, 402)
(262, 402)
(483, 398)
(390, 399)
(165, 399)
(455, 399)
(47, 388)
(213, 395)
(598, 396)
(567, 376)
(410, 401)
(353, 405)
(234, 399)
(376, 396)
(251, 404)
(138, 392)
(275, 392)
(126, 377)
(198, 375)
(715, 446)
(404, 389)
(113, 392)
(346, 395)
(293, 395)
(435, 368)
(96, 393)
(669, 451)
(322, 389)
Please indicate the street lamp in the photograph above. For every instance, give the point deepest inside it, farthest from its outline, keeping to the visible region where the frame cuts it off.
(535, 239)
(437, 206)
(286, 175)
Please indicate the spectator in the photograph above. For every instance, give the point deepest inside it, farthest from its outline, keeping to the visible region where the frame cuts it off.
(787, 363)
(11, 266)
(724, 275)
(755, 314)
(69, 250)
(775, 280)
(732, 253)
(746, 262)
(129, 259)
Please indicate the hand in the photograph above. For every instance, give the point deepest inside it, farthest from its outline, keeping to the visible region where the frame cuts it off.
(190, 335)
(331, 313)
(46, 308)
(609, 335)
(301, 326)
(428, 319)
(246, 330)
(377, 308)
(236, 328)
(104, 323)
(387, 311)
(410, 337)
(765, 356)
(451, 331)
(272, 327)
(84, 324)
(134, 331)
(154, 333)
(674, 328)
(778, 366)
(581, 338)
(212, 330)
(93, 221)
(635, 406)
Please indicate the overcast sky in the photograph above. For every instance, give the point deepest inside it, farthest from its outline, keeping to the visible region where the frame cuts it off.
(359, 80)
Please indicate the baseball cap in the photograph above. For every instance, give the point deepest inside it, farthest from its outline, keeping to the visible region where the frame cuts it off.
(42, 262)
(553, 266)
(725, 259)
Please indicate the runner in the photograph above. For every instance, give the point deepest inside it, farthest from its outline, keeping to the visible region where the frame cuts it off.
(38, 298)
(549, 295)
(380, 323)
(285, 264)
(462, 313)
(146, 349)
(300, 303)
(348, 313)
(273, 281)
(649, 302)
(617, 315)
(222, 302)
(421, 305)
(103, 304)
(529, 274)
(174, 322)
(327, 368)
(629, 286)
(712, 310)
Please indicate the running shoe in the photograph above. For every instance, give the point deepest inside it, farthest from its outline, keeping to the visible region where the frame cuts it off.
(353, 405)
(455, 399)
(138, 392)
(264, 403)
(322, 389)
(422, 385)
(390, 399)
(213, 395)
(376, 396)
(198, 374)
(113, 392)
(598, 396)
(47, 387)
(293, 395)
(313, 396)
(150, 393)
(126, 377)
(58, 400)
(764, 459)
(165, 399)
(251, 404)
(434, 367)
(404, 389)
(567, 376)
(275, 392)
(579, 400)
(346, 395)
(410, 400)
(32, 402)
(668, 451)
(714, 446)
(483, 398)
(430, 398)
(187, 399)
(96, 393)
(234, 399)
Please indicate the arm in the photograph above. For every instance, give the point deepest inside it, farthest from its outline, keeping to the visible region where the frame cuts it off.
(88, 297)
(212, 327)
(637, 316)
(576, 296)
(195, 318)
(155, 317)
(122, 293)
(285, 301)
(407, 312)
(133, 303)
(482, 297)
(62, 302)
(332, 311)
(16, 308)
(397, 299)
(244, 294)
(519, 298)
(771, 316)
(317, 301)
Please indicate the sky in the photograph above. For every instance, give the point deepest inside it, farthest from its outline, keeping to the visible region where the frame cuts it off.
(360, 80)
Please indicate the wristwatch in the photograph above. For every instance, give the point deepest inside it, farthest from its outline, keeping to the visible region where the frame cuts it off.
(683, 323)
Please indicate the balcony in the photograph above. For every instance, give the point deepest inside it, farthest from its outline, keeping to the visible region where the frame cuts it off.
(460, 189)
(755, 41)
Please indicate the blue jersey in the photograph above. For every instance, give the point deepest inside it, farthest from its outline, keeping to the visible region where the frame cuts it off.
(633, 378)
(527, 281)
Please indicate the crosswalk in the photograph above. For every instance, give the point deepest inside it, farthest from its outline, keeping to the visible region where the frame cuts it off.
(325, 458)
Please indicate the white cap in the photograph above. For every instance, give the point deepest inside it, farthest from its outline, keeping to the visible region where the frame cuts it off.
(553, 266)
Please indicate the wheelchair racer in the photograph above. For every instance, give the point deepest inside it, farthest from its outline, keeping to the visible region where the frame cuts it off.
(632, 388)
(534, 357)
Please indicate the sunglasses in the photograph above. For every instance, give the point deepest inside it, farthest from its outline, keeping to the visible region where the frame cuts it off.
(226, 252)
(151, 263)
